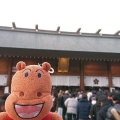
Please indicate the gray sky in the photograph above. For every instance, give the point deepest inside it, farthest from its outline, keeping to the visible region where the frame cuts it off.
(90, 15)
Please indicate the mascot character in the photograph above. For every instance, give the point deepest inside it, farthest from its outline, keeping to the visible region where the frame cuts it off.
(30, 97)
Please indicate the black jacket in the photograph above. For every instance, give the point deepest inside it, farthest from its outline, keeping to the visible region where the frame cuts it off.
(94, 110)
(109, 114)
(101, 115)
(83, 109)
(60, 101)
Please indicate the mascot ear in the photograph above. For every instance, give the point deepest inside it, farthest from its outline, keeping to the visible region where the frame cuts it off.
(20, 65)
(46, 66)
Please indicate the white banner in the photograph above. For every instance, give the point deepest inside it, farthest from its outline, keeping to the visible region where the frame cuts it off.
(3, 80)
(116, 81)
(14, 69)
(96, 81)
(6, 90)
(58, 80)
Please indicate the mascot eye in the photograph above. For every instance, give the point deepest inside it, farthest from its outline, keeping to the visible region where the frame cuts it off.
(39, 75)
(26, 74)
(39, 94)
(21, 94)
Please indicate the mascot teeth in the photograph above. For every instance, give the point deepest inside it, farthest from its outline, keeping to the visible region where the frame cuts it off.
(28, 111)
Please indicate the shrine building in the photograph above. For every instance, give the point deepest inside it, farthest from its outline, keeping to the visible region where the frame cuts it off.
(80, 60)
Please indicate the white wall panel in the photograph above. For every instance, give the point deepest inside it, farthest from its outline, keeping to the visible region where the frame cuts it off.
(74, 80)
(3, 80)
(116, 81)
(100, 81)
(58, 80)
(6, 90)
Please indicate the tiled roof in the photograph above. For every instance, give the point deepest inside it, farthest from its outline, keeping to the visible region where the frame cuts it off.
(27, 39)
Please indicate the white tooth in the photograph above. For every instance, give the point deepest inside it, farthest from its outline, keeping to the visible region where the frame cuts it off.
(36, 114)
(17, 106)
(21, 115)
(39, 105)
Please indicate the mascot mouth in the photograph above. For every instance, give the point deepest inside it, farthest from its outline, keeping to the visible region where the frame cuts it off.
(28, 111)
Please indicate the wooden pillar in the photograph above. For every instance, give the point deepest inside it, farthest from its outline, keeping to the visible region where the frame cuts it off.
(82, 75)
(9, 74)
(109, 75)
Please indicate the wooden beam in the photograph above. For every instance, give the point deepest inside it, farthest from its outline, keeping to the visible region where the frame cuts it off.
(78, 31)
(36, 27)
(110, 83)
(58, 29)
(9, 74)
(117, 33)
(13, 25)
(82, 87)
(98, 31)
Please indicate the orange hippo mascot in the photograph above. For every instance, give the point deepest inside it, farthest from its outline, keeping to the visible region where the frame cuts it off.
(30, 97)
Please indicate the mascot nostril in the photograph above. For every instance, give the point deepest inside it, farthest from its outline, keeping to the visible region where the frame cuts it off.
(35, 100)
(39, 94)
(21, 94)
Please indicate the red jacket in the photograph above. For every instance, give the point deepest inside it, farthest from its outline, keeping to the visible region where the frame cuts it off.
(48, 117)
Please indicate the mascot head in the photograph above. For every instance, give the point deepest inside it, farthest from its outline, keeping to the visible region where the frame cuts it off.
(30, 96)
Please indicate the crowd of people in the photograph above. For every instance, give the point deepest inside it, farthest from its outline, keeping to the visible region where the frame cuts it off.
(83, 105)
(87, 105)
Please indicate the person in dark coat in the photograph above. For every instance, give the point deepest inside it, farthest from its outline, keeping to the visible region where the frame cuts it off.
(60, 103)
(55, 103)
(105, 104)
(83, 108)
(116, 106)
(65, 96)
(100, 92)
(94, 110)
